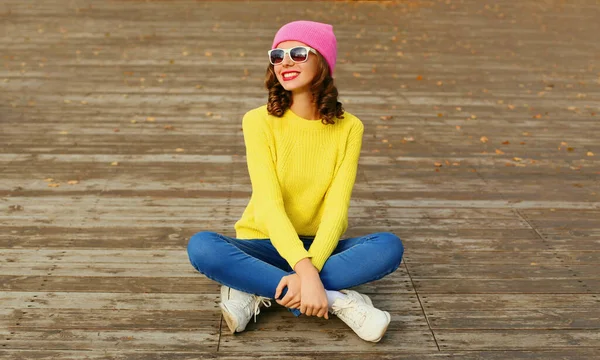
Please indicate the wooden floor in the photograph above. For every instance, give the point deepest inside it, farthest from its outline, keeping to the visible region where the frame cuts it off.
(121, 137)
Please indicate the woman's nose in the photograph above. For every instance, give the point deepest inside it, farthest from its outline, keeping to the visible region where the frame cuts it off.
(287, 60)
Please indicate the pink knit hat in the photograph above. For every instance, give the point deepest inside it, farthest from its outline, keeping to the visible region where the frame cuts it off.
(314, 34)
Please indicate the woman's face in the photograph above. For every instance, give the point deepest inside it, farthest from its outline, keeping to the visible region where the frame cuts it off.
(302, 74)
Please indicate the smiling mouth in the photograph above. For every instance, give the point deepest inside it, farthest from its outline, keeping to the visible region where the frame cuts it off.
(290, 75)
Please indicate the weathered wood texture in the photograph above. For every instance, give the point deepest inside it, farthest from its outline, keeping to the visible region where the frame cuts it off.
(481, 152)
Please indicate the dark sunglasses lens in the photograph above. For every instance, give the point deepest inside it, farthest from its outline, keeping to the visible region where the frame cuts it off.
(277, 56)
(298, 54)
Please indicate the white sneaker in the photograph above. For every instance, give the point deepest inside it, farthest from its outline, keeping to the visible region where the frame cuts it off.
(238, 307)
(358, 296)
(358, 312)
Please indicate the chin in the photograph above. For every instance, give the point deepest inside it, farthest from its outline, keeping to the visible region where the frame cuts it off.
(292, 87)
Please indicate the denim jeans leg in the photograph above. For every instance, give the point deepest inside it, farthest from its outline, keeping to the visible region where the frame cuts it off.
(247, 265)
(361, 260)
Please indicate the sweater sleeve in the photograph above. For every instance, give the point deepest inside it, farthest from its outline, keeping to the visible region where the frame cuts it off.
(337, 201)
(270, 210)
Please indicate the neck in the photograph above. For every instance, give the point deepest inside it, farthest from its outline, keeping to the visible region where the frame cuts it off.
(303, 106)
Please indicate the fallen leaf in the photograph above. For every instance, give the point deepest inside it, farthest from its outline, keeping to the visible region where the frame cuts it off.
(63, 132)
(169, 127)
(134, 121)
(114, 163)
(533, 263)
(53, 185)
(116, 130)
(511, 107)
(517, 159)
(439, 83)
(409, 138)
(589, 153)
(570, 149)
(355, 74)
(437, 164)
(48, 179)
(458, 108)
(499, 152)
(384, 141)
(179, 150)
(562, 143)
(473, 116)
(150, 119)
(73, 182)
(457, 127)
(419, 77)
(525, 133)
(537, 116)
(483, 139)
(440, 115)
(506, 142)
(386, 117)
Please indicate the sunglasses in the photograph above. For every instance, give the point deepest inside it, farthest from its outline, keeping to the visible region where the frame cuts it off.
(298, 54)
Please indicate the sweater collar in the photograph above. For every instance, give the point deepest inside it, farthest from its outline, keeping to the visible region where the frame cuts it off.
(297, 120)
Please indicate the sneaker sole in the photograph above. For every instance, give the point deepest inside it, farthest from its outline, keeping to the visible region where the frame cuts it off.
(231, 322)
(387, 314)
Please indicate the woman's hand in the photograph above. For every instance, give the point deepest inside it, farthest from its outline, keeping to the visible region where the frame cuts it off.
(313, 298)
(292, 297)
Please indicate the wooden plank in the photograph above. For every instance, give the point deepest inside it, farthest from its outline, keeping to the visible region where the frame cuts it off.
(546, 257)
(516, 339)
(501, 271)
(110, 319)
(509, 302)
(553, 354)
(558, 319)
(408, 340)
(104, 339)
(193, 285)
(512, 286)
(109, 301)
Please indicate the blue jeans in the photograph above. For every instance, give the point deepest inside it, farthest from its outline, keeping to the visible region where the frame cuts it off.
(255, 266)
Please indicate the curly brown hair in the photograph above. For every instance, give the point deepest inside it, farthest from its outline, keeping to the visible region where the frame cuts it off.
(325, 94)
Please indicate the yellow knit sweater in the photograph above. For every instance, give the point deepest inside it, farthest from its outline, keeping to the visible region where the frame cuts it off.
(302, 175)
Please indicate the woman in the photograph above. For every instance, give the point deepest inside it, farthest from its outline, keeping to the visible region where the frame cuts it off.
(302, 151)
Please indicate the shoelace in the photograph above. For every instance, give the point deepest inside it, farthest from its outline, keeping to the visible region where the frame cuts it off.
(266, 302)
(351, 304)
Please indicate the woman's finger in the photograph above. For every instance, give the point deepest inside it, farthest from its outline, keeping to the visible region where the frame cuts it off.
(282, 284)
(294, 305)
(289, 298)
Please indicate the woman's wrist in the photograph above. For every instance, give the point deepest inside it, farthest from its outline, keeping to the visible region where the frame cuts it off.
(305, 268)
